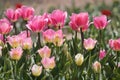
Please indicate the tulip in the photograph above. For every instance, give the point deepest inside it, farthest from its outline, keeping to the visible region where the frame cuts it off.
(37, 24)
(58, 18)
(97, 67)
(14, 41)
(79, 21)
(18, 5)
(79, 58)
(115, 44)
(89, 43)
(58, 38)
(13, 15)
(102, 54)
(48, 35)
(36, 70)
(27, 43)
(16, 53)
(100, 22)
(48, 63)
(48, 17)
(44, 52)
(5, 26)
(27, 12)
(106, 12)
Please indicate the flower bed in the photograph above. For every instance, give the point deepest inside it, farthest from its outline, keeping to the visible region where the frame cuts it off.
(34, 47)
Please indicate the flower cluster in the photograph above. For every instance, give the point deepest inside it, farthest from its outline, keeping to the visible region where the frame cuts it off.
(39, 43)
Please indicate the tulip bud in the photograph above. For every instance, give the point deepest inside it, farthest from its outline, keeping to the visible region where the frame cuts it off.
(65, 48)
(102, 54)
(96, 67)
(79, 58)
(36, 70)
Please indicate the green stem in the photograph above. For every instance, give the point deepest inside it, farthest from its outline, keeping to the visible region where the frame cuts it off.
(97, 76)
(15, 28)
(100, 39)
(39, 42)
(82, 39)
(117, 59)
(76, 35)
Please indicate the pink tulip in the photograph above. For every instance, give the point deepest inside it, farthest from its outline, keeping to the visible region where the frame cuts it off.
(58, 38)
(89, 43)
(48, 17)
(48, 63)
(13, 15)
(36, 70)
(100, 22)
(79, 21)
(102, 54)
(37, 23)
(44, 52)
(16, 53)
(14, 41)
(5, 26)
(58, 18)
(27, 43)
(27, 12)
(115, 44)
(97, 67)
(48, 35)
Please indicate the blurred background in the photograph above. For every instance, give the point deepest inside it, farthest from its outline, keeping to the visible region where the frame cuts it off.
(48, 5)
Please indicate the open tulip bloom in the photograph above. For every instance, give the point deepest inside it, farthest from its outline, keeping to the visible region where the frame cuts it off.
(38, 47)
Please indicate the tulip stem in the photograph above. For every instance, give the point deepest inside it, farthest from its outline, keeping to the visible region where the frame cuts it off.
(15, 28)
(39, 42)
(100, 38)
(82, 38)
(76, 35)
(117, 59)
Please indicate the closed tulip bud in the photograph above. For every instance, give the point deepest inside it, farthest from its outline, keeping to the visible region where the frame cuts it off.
(97, 67)
(36, 70)
(102, 54)
(16, 53)
(65, 48)
(79, 58)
